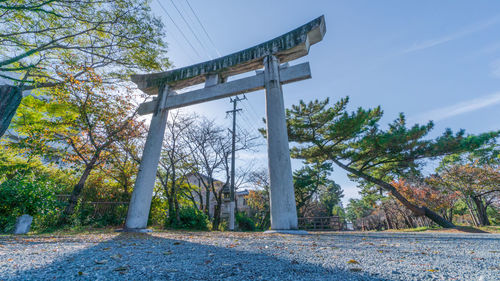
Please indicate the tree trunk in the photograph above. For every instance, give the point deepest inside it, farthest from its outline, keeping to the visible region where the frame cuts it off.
(387, 219)
(216, 221)
(473, 215)
(207, 201)
(419, 211)
(481, 211)
(10, 98)
(173, 214)
(75, 194)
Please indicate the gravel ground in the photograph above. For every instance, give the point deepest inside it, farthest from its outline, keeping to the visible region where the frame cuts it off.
(251, 256)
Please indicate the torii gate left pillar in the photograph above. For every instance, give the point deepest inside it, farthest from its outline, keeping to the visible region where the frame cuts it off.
(287, 47)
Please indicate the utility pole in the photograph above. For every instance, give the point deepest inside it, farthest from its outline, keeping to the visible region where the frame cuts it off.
(232, 201)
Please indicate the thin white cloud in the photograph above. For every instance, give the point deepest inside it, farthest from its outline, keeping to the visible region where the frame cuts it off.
(453, 36)
(457, 109)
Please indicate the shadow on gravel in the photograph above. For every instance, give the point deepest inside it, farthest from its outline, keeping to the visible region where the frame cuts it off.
(146, 257)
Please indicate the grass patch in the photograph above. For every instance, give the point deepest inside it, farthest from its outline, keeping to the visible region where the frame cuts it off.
(73, 230)
(491, 228)
(416, 229)
(459, 228)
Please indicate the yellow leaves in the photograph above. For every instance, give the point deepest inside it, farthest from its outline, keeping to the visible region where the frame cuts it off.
(432, 270)
(351, 261)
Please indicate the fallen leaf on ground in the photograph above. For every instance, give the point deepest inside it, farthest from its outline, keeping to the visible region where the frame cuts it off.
(432, 270)
(177, 243)
(353, 262)
(116, 257)
(167, 252)
(106, 249)
(101, 261)
(171, 270)
(121, 268)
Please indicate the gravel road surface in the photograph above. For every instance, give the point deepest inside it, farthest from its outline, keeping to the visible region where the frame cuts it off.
(251, 256)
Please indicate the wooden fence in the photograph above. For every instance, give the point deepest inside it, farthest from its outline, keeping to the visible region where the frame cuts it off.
(321, 223)
(115, 211)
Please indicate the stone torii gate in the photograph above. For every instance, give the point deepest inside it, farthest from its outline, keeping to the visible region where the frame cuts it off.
(214, 74)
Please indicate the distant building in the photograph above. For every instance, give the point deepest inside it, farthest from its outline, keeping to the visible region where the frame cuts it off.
(241, 201)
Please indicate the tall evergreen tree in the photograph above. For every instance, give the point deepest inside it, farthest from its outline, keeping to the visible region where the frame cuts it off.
(356, 143)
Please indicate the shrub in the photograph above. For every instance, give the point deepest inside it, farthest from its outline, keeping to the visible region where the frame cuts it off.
(190, 218)
(244, 222)
(30, 194)
(99, 215)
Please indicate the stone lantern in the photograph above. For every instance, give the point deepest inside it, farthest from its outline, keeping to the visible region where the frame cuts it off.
(226, 193)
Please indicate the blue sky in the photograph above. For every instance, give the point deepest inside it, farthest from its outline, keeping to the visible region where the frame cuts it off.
(432, 60)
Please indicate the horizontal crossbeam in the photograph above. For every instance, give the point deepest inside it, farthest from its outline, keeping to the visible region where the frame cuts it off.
(244, 85)
(287, 47)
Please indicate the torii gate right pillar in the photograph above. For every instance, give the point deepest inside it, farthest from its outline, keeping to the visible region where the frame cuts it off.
(283, 211)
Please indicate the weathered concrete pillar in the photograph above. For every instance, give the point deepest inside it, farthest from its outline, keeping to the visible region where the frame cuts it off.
(283, 211)
(140, 203)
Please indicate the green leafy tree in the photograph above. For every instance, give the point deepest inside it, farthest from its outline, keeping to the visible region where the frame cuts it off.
(82, 126)
(118, 36)
(330, 196)
(311, 183)
(307, 181)
(475, 177)
(357, 209)
(39, 39)
(356, 143)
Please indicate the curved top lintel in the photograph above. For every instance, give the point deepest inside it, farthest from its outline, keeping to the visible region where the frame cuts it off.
(287, 47)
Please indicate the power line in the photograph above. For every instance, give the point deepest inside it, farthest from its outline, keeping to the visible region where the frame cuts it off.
(203, 27)
(183, 35)
(192, 31)
(249, 123)
(254, 112)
